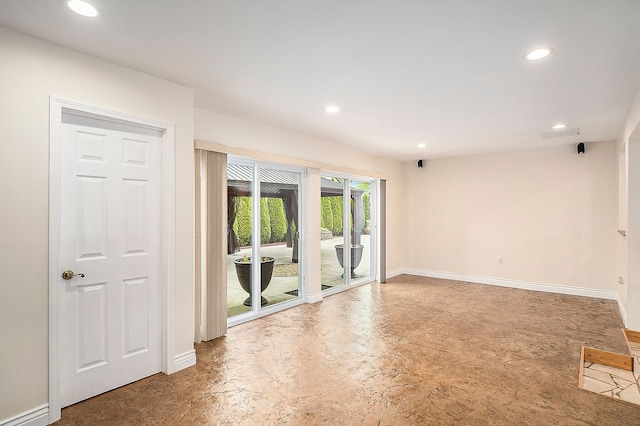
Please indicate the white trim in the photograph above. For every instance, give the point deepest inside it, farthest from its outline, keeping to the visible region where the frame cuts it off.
(38, 416)
(55, 121)
(524, 285)
(394, 273)
(271, 158)
(623, 312)
(168, 235)
(249, 316)
(314, 298)
(185, 360)
(168, 245)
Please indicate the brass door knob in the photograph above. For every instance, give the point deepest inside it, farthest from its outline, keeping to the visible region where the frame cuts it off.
(68, 274)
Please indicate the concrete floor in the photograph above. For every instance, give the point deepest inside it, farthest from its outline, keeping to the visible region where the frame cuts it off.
(414, 351)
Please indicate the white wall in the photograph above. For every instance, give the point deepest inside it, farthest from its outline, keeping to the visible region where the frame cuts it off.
(222, 129)
(628, 248)
(549, 214)
(31, 71)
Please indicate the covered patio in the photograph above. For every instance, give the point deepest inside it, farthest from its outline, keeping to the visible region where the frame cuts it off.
(285, 282)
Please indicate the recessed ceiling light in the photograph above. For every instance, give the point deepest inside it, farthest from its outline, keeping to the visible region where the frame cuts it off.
(83, 8)
(534, 55)
(331, 109)
(559, 126)
(422, 145)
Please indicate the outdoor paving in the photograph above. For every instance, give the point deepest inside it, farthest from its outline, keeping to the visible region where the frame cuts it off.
(614, 382)
(331, 273)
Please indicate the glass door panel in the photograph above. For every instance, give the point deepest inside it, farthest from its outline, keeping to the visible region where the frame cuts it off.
(362, 240)
(263, 222)
(332, 229)
(279, 237)
(239, 238)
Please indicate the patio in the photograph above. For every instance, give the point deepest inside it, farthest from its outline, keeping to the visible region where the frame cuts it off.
(285, 277)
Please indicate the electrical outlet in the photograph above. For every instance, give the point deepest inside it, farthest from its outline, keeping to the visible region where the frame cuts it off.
(620, 280)
(500, 261)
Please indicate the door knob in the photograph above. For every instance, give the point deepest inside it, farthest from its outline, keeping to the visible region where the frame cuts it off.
(68, 274)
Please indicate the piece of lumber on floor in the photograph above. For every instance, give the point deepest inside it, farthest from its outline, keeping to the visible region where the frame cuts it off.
(632, 336)
(624, 362)
(581, 371)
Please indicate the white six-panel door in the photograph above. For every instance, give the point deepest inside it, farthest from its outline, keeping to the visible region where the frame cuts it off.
(110, 231)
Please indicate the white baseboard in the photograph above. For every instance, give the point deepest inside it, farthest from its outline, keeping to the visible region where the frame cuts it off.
(524, 285)
(39, 416)
(314, 298)
(184, 360)
(394, 273)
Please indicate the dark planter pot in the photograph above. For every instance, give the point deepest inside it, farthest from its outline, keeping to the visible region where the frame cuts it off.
(243, 270)
(356, 257)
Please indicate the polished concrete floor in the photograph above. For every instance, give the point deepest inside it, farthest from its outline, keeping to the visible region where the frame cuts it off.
(414, 351)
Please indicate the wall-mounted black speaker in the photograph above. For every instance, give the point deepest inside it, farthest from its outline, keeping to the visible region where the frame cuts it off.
(420, 164)
(581, 148)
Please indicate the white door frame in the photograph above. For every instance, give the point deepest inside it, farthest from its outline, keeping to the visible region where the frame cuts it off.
(167, 240)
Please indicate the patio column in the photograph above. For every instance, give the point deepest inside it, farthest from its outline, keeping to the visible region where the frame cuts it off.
(288, 214)
(232, 211)
(291, 211)
(357, 217)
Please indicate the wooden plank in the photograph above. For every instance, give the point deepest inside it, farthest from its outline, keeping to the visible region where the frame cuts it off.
(631, 335)
(624, 362)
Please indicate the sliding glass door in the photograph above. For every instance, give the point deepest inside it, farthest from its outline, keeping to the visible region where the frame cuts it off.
(263, 224)
(347, 221)
(363, 240)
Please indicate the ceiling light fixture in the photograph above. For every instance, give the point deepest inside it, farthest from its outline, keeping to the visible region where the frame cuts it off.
(331, 109)
(83, 8)
(422, 145)
(536, 54)
(559, 126)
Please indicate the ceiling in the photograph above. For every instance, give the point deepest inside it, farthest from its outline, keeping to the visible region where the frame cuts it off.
(449, 74)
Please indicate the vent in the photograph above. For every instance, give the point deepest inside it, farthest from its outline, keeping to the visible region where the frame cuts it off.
(560, 133)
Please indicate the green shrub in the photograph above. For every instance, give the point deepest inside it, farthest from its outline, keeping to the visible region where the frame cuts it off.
(242, 224)
(265, 222)
(326, 214)
(366, 206)
(278, 219)
(352, 203)
(337, 210)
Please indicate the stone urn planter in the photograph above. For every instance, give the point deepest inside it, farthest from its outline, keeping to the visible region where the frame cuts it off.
(243, 271)
(356, 256)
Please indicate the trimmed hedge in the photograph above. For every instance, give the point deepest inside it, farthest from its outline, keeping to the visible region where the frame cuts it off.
(366, 204)
(242, 224)
(278, 219)
(273, 221)
(337, 210)
(326, 214)
(273, 218)
(265, 222)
